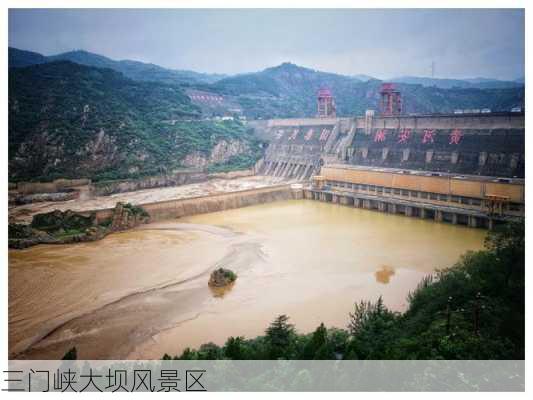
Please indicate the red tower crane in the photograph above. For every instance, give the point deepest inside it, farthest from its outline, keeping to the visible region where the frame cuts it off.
(391, 100)
(325, 103)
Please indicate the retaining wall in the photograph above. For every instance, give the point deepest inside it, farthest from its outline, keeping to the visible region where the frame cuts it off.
(50, 187)
(218, 202)
(120, 186)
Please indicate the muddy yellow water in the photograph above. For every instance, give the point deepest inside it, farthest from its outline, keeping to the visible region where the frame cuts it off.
(143, 293)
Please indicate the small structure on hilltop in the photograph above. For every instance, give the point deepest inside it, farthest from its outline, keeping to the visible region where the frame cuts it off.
(326, 104)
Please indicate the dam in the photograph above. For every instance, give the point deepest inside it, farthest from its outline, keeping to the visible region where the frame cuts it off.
(466, 142)
(477, 144)
(463, 168)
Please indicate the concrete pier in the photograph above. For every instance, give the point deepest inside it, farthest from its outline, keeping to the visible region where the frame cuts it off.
(410, 208)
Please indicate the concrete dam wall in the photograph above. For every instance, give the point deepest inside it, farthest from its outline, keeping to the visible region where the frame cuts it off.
(491, 144)
(218, 202)
(297, 147)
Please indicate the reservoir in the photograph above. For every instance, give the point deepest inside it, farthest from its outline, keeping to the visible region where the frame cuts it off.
(142, 293)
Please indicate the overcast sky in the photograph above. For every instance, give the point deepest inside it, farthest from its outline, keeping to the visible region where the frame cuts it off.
(381, 43)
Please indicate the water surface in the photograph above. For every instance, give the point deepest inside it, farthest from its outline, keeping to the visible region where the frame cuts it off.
(142, 293)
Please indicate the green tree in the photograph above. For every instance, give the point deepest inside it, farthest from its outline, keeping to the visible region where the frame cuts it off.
(188, 354)
(279, 336)
(209, 351)
(72, 354)
(373, 329)
(318, 346)
(234, 348)
(507, 243)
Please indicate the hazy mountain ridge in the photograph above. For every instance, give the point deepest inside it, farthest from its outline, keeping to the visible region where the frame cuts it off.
(23, 58)
(290, 91)
(147, 71)
(132, 69)
(444, 83)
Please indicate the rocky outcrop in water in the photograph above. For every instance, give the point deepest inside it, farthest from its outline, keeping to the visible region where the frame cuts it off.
(222, 277)
(62, 227)
(127, 216)
(22, 236)
(61, 221)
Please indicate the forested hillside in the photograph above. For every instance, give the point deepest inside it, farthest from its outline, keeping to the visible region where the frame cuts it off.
(70, 120)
